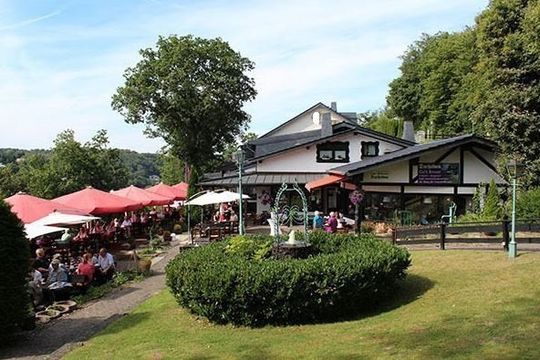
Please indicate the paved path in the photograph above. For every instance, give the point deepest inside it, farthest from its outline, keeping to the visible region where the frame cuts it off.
(56, 338)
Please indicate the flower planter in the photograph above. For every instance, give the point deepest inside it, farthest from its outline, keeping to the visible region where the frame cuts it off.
(62, 309)
(72, 305)
(47, 315)
(144, 265)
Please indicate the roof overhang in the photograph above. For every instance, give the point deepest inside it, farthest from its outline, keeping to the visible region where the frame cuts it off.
(329, 180)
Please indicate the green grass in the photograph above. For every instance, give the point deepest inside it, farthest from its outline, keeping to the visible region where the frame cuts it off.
(454, 304)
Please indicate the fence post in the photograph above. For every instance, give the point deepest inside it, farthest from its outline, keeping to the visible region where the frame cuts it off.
(394, 236)
(443, 235)
(506, 233)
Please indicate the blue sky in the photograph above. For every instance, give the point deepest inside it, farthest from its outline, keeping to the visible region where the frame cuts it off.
(62, 60)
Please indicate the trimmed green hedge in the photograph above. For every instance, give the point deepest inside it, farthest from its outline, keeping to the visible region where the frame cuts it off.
(14, 257)
(347, 275)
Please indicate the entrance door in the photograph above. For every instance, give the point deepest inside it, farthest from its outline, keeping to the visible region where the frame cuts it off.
(331, 199)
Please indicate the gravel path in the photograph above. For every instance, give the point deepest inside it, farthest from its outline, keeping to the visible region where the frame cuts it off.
(56, 338)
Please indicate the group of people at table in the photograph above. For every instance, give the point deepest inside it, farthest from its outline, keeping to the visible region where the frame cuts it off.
(330, 224)
(53, 279)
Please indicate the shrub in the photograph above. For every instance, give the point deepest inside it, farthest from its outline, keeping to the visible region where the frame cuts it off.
(528, 204)
(347, 275)
(14, 257)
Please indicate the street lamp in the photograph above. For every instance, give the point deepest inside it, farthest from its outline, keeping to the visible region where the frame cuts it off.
(239, 156)
(514, 168)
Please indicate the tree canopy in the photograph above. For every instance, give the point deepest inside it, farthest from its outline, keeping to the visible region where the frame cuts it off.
(484, 80)
(189, 91)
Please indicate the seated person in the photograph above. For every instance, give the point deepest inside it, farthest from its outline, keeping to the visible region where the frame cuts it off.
(41, 263)
(233, 217)
(57, 282)
(332, 223)
(65, 239)
(105, 266)
(86, 268)
(318, 221)
(35, 284)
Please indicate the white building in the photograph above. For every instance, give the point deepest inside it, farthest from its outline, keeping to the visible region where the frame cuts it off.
(330, 153)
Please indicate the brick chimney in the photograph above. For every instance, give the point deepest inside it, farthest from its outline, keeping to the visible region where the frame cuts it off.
(333, 106)
(326, 125)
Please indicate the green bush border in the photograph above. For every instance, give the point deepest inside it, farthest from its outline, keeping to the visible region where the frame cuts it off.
(347, 275)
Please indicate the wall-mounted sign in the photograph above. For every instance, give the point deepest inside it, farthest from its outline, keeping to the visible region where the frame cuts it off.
(444, 173)
(379, 175)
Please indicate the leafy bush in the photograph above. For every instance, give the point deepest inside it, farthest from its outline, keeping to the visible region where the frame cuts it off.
(14, 256)
(249, 247)
(347, 275)
(528, 204)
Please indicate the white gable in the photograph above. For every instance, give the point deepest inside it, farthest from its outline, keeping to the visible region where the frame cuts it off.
(303, 158)
(304, 122)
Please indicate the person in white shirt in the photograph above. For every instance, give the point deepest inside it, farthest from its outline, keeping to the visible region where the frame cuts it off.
(106, 267)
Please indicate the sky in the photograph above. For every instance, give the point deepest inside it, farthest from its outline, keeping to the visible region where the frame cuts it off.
(61, 61)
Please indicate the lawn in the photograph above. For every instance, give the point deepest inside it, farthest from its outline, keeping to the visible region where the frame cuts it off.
(454, 304)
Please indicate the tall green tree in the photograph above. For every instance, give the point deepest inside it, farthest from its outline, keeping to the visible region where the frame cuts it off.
(171, 169)
(190, 91)
(433, 88)
(382, 121)
(509, 46)
(14, 255)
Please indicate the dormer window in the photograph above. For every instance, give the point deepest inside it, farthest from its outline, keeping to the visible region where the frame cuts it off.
(333, 152)
(370, 148)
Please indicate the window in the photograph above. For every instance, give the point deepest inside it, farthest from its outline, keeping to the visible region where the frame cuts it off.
(370, 148)
(333, 152)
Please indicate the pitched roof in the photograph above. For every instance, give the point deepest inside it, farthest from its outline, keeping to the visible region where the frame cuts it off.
(294, 118)
(273, 145)
(264, 179)
(359, 167)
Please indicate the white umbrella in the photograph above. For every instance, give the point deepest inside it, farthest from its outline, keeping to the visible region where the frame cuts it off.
(204, 199)
(229, 196)
(212, 197)
(34, 230)
(58, 218)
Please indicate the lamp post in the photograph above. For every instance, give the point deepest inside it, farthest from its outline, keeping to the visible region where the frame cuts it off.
(240, 160)
(513, 167)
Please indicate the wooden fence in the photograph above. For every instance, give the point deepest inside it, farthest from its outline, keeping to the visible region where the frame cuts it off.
(493, 232)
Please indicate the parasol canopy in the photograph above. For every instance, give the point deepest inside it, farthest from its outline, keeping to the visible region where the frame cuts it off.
(63, 219)
(34, 230)
(184, 187)
(97, 202)
(212, 197)
(168, 191)
(30, 208)
(144, 197)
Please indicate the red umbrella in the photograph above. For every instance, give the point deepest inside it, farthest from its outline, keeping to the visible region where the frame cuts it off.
(146, 198)
(97, 202)
(182, 187)
(169, 191)
(30, 208)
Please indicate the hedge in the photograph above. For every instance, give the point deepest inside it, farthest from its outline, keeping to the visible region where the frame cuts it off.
(14, 257)
(347, 275)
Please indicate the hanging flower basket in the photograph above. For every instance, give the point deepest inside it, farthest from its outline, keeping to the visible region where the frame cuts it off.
(356, 197)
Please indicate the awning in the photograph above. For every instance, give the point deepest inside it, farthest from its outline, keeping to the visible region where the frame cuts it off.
(330, 180)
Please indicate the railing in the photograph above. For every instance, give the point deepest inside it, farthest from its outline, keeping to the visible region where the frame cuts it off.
(492, 232)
